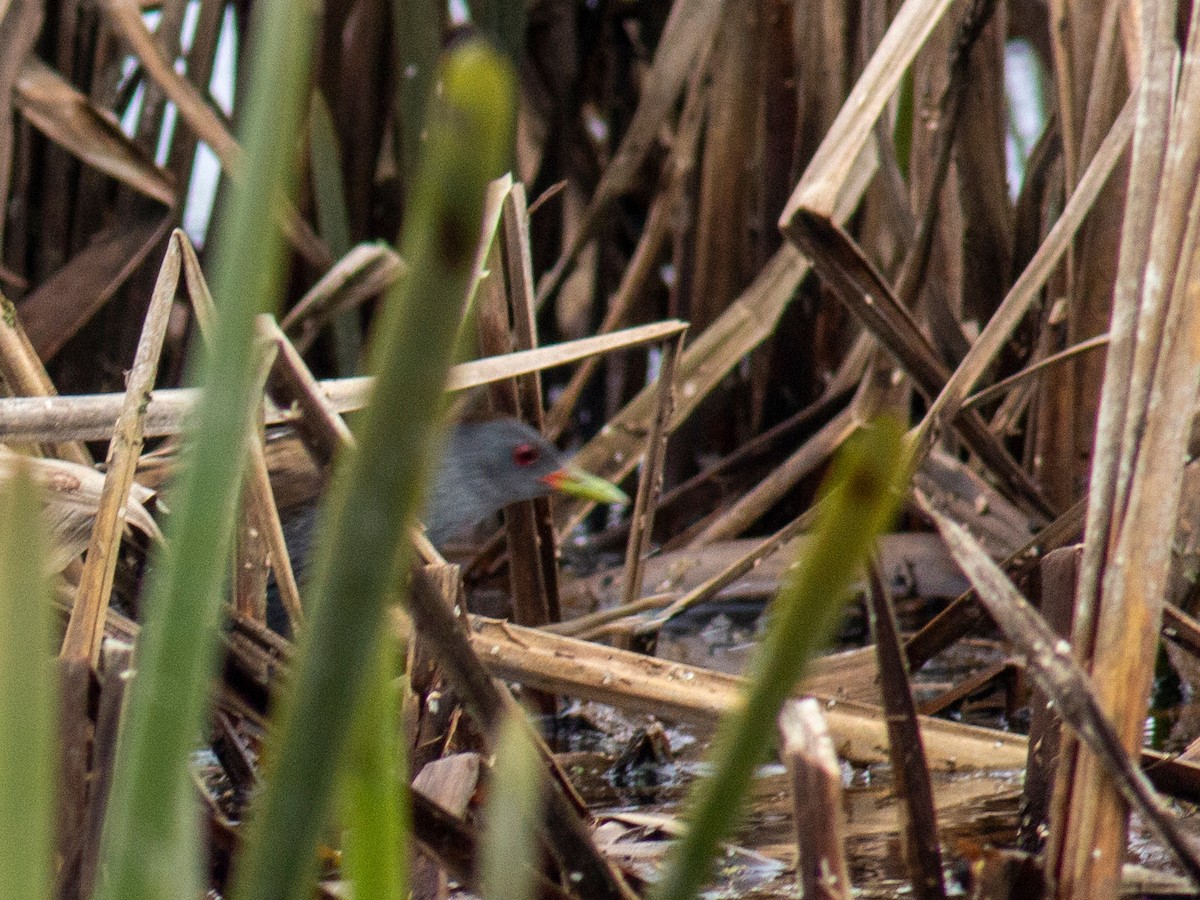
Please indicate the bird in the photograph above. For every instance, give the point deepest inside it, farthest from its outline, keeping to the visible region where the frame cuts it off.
(485, 467)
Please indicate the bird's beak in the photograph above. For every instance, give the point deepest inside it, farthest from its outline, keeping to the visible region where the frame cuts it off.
(578, 483)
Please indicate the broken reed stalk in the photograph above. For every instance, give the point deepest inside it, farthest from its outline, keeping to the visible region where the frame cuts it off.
(964, 611)
(1005, 385)
(518, 270)
(90, 417)
(320, 424)
(86, 625)
(498, 308)
(815, 779)
(862, 495)
(856, 281)
(642, 684)
(365, 271)
(1058, 577)
(732, 573)
(757, 501)
(832, 399)
(910, 773)
(25, 376)
(650, 485)
(869, 397)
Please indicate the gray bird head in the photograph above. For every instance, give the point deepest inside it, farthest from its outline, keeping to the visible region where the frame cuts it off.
(488, 465)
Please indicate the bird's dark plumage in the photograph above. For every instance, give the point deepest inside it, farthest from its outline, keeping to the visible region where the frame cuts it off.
(485, 467)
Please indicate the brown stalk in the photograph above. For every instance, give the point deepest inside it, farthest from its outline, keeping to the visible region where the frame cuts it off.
(919, 832)
(650, 485)
(965, 611)
(20, 26)
(987, 678)
(1151, 131)
(496, 310)
(366, 271)
(85, 629)
(839, 389)
(732, 573)
(113, 681)
(593, 626)
(681, 692)
(816, 787)
(912, 275)
(23, 373)
(73, 773)
(1181, 628)
(89, 417)
(822, 187)
(721, 259)
(320, 424)
(1057, 582)
(677, 691)
(1004, 385)
(201, 57)
(252, 556)
(168, 35)
(1074, 401)
(983, 195)
(811, 454)
(518, 267)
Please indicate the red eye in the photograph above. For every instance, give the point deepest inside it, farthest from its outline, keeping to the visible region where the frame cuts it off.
(525, 455)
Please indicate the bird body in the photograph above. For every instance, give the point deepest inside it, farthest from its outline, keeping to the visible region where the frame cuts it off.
(485, 467)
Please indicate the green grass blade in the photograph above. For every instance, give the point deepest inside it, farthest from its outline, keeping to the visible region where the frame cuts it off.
(333, 219)
(376, 790)
(510, 847)
(418, 29)
(28, 700)
(863, 492)
(150, 847)
(376, 492)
